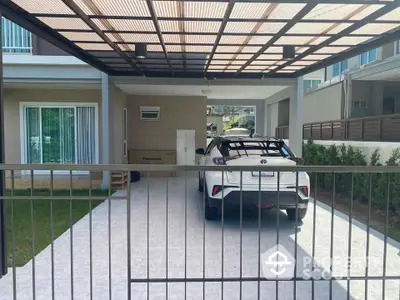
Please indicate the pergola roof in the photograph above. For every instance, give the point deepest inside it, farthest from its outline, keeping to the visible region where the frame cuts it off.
(220, 39)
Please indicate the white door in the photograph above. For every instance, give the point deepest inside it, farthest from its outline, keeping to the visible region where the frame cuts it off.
(185, 147)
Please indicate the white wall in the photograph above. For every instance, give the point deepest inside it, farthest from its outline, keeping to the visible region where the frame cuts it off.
(274, 118)
(324, 104)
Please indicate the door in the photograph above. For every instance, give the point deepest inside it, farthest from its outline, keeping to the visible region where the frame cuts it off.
(185, 147)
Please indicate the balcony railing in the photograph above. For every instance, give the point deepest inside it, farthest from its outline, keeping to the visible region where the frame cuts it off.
(376, 128)
(16, 39)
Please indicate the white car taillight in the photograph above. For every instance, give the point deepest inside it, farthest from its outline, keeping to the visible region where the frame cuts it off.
(222, 160)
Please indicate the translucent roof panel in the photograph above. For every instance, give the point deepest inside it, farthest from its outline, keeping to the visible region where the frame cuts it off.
(247, 27)
(92, 46)
(375, 28)
(394, 15)
(331, 50)
(310, 28)
(205, 9)
(46, 7)
(250, 10)
(190, 26)
(340, 11)
(351, 40)
(195, 33)
(233, 39)
(135, 8)
(286, 10)
(126, 25)
(300, 40)
(64, 23)
(135, 37)
(82, 36)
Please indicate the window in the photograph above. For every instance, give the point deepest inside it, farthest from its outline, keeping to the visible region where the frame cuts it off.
(339, 68)
(15, 38)
(125, 129)
(60, 134)
(310, 84)
(368, 57)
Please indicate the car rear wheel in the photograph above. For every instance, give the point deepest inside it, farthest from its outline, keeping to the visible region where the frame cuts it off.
(301, 213)
(201, 187)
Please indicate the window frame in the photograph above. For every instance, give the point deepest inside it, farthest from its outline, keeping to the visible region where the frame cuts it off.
(125, 133)
(368, 54)
(341, 69)
(22, 111)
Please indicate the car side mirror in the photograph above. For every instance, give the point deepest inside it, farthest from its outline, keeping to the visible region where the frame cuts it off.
(200, 151)
(298, 160)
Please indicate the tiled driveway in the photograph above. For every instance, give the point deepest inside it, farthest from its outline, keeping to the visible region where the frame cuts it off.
(193, 265)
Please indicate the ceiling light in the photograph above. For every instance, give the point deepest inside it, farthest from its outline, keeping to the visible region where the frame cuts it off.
(140, 50)
(288, 52)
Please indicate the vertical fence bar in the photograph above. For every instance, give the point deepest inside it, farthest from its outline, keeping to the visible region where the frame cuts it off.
(350, 236)
(90, 238)
(204, 235)
(385, 238)
(332, 232)
(277, 227)
(367, 242)
(3, 224)
(148, 236)
(259, 237)
(185, 233)
(109, 245)
(296, 224)
(241, 236)
(14, 274)
(71, 223)
(128, 233)
(166, 239)
(313, 235)
(52, 233)
(33, 237)
(222, 240)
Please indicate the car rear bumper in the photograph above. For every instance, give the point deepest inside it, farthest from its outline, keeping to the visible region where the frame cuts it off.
(265, 199)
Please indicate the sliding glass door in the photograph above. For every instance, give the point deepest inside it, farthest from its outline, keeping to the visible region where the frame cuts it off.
(60, 135)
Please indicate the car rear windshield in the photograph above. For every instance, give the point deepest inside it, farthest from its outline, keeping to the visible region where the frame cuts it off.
(260, 148)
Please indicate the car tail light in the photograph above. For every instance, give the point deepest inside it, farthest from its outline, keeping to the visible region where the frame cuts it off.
(216, 189)
(222, 160)
(304, 190)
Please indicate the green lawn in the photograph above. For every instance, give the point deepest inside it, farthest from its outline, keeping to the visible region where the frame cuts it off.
(61, 216)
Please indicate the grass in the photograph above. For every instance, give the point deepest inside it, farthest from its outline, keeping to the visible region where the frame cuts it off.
(21, 211)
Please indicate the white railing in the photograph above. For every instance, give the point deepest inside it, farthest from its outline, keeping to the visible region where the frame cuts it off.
(16, 39)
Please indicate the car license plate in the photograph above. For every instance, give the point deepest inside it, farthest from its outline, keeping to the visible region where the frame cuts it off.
(262, 174)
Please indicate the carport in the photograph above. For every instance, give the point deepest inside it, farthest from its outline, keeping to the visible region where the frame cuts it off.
(212, 43)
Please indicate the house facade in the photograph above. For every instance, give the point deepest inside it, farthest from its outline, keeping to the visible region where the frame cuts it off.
(363, 89)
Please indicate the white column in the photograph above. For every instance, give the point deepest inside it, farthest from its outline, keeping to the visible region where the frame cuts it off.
(107, 112)
(267, 121)
(296, 118)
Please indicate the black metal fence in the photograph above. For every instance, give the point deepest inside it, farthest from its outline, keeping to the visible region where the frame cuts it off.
(152, 241)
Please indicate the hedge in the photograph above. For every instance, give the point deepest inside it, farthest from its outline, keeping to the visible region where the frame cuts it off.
(382, 183)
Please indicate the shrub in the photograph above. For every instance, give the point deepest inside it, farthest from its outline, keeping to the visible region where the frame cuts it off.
(348, 156)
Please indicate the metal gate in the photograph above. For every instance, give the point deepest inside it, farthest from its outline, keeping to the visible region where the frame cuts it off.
(153, 242)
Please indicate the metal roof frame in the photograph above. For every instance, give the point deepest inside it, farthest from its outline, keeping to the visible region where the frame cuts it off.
(111, 48)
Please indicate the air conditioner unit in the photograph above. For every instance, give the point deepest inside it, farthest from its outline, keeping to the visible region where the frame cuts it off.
(149, 113)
